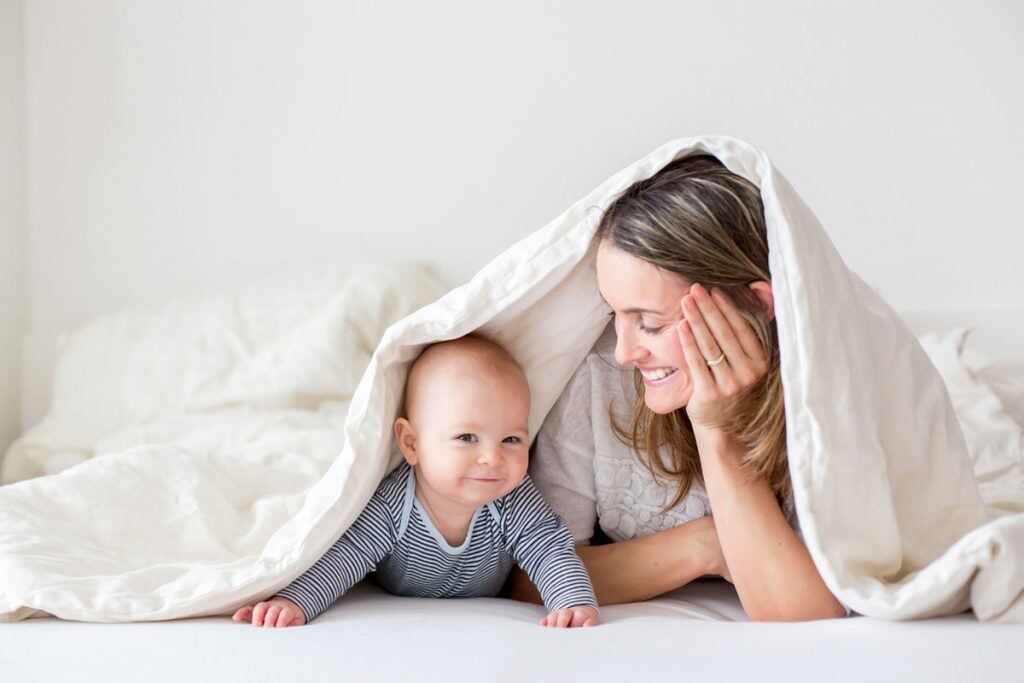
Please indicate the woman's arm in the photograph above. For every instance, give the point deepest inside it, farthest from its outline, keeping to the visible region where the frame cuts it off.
(771, 568)
(642, 568)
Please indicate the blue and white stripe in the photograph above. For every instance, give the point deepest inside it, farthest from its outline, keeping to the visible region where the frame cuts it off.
(394, 538)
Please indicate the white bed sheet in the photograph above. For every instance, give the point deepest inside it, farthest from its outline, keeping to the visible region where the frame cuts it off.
(696, 633)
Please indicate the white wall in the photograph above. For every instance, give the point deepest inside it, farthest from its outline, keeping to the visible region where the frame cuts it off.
(13, 251)
(179, 144)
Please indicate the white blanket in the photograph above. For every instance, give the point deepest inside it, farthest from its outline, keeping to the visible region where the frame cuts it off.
(884, 486)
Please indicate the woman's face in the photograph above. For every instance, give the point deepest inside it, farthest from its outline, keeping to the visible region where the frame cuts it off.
(645, 300)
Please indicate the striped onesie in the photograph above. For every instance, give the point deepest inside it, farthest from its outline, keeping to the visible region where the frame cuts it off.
(394, 539)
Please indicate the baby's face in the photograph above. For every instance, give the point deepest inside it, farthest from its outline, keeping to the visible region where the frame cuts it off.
(471, 435)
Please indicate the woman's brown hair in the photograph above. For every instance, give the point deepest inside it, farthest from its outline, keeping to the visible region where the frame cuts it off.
(697, 219)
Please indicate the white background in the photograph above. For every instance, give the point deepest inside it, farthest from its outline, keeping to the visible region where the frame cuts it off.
(154, 147)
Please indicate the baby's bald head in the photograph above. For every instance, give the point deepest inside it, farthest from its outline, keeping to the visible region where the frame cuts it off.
(442, 366)
(465, 428)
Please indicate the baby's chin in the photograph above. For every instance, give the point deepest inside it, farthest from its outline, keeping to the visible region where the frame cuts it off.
(483, 494)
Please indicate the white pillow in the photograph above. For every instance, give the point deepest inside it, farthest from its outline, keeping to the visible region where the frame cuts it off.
(290, 340)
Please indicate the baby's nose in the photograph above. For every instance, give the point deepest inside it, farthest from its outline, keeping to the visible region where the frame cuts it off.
(491, 455)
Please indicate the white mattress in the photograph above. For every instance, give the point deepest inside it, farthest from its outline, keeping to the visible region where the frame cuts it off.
(693, 634)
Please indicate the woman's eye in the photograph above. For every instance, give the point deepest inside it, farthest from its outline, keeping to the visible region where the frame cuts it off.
(467, 438)
(651, 330)
(512, 439)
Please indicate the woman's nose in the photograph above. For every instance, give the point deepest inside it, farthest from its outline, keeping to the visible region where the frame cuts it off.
(626, 348)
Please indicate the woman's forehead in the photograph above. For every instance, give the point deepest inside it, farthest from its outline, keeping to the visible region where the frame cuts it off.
(627, 282)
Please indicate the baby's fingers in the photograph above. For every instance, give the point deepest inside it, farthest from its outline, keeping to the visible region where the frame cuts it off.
(286, 617)
(243, 614)
(258, 612)
(551, 620)
(564, 618)
(272, 612)
(583, 618)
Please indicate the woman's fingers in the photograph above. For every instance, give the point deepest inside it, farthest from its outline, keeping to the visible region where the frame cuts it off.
(720, 326)
(700, 373)
(741, 328)
(706, 342)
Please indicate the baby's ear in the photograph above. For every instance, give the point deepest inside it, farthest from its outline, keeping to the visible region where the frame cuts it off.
(406, 437)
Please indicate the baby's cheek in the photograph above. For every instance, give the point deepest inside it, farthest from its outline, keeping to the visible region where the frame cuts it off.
(520, 466)
(442, 475)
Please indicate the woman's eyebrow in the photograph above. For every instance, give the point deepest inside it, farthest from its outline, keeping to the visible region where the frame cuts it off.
(634, 309)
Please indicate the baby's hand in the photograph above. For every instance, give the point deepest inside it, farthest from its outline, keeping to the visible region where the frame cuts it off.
(580, 615)
(277, 611)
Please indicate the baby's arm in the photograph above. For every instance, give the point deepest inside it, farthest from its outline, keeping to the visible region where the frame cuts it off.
(541, 544)
(354, 555)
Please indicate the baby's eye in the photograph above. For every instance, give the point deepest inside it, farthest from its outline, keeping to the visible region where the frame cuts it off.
(512, 439)
(467, 438)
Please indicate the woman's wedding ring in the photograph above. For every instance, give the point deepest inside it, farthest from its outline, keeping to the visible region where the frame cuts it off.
(713, 363)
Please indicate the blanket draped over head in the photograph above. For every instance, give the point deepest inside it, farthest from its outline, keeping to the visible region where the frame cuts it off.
(160, 526)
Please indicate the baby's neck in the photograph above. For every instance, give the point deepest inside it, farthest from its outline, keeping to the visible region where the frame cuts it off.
(449, 517)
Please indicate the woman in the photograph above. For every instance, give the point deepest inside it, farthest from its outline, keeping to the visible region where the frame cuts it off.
(683, 263)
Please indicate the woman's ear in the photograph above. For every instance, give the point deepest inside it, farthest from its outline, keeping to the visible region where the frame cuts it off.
(406, 437)
(763, 290)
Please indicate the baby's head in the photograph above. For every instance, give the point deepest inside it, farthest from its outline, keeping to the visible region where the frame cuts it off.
(464, 421)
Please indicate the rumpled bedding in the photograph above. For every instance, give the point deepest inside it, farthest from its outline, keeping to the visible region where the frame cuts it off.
(211, 472)
(186, 436)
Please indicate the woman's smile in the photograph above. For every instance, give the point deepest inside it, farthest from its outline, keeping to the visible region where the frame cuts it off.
(655, 377)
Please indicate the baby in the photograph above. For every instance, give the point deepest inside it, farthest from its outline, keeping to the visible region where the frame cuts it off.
(452, 519)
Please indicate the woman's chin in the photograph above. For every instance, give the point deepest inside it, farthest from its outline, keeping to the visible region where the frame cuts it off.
(663, 406)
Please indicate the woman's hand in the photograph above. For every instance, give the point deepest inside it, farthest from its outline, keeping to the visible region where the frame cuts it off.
(580, 615)
(712, 328)
(276, 612)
